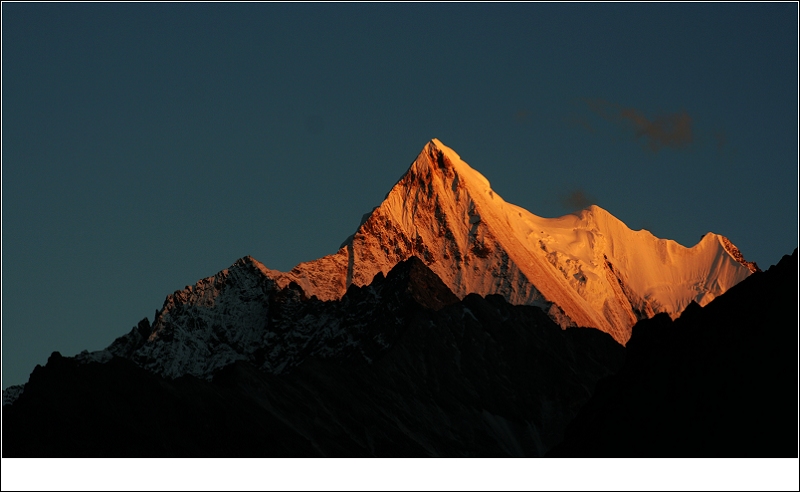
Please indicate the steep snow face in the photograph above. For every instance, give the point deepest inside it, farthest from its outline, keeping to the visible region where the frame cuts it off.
(585, 269)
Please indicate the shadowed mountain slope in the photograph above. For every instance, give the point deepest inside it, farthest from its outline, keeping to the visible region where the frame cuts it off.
(416, 373)
(720, 381)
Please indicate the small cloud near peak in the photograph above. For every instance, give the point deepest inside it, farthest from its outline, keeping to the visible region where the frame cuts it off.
(670, 130)
(577, 199)
(673, 130)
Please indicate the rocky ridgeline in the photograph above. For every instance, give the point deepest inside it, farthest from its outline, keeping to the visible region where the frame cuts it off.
(401, 367)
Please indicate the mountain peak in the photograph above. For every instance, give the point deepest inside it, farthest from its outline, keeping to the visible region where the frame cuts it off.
(436, 145)
(438, 159)
(585, 269)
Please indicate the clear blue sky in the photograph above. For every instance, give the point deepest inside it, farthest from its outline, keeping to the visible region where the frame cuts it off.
(146, 146)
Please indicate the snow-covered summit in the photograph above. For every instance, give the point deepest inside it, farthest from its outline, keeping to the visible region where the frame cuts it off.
(586, 269)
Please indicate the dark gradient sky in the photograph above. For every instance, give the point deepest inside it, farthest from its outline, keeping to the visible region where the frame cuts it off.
(146, 146)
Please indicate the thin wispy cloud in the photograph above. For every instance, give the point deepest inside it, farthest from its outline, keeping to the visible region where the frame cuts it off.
(672, 130)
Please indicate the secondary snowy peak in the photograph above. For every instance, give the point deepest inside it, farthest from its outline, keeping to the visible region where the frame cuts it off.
(209, 325)
(241, 314)
(585, 269)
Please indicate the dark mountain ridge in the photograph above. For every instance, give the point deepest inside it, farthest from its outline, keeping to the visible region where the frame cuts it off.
(720, 381)
(403, 368)
(412, 371)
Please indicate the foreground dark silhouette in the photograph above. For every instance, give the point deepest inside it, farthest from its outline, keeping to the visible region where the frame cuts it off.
(720, 381)
(420, 373)
(476, 377)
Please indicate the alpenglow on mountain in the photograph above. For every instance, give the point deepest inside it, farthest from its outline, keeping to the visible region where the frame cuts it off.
(586, 269)
(452, 323)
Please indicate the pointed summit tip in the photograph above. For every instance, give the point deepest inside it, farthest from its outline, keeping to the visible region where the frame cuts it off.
(436, 155)
(437, 144)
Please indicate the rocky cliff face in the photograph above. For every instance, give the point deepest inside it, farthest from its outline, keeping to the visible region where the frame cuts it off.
(401, 367)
